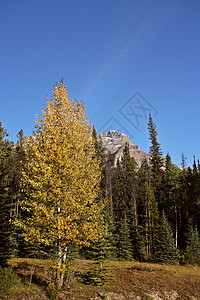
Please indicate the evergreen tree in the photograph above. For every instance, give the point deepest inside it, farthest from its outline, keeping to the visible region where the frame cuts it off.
(148, 211)
(129, 167)
(194, 193)
(184, 202)
(156, 161)
(124, 246)
(139, 243)
(6, 229)
(166, 251)
(19, 162)
(152, 221)
(130, 182)
(194, 166)
(109, 172)
(192, 250)
(171, 188)
(105, 246)
(190, 197)
(122, 231)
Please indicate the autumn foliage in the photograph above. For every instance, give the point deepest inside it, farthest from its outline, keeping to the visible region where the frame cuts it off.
(60, 180)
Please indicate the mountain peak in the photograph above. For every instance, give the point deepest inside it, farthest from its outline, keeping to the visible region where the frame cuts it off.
(114, 142)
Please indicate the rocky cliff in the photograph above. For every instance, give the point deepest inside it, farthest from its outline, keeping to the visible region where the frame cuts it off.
(114, 142)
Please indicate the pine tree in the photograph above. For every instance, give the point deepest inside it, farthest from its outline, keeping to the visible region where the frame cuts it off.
(60, 181)
(166, 251)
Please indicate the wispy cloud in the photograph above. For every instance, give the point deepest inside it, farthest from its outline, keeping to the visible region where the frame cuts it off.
(134, 37)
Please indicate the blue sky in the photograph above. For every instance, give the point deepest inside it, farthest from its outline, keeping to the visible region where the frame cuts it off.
(123, 58)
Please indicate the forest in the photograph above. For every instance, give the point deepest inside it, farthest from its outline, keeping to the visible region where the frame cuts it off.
(63, 197)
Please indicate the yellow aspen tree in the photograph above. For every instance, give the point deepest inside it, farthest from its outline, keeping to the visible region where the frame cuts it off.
(60, 181)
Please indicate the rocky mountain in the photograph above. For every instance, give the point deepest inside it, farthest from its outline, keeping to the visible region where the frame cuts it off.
(114, 142)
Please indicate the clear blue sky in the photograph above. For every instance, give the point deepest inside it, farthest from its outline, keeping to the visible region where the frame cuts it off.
(107, 52)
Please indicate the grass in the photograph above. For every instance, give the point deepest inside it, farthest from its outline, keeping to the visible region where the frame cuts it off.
(131, 279)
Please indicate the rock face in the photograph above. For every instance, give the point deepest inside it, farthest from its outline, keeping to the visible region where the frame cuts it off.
(114, 142)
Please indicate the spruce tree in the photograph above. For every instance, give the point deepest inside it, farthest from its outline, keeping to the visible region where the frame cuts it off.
(166, 251)
(152, 221)
(130, 181)
(105, 246)
(124, 246)
(6, 229)
(192, 250)
(139, 243)
(171, 190)
(122, 231)
(156, 161)
(148, 211)
(137, 239)
(184, 202)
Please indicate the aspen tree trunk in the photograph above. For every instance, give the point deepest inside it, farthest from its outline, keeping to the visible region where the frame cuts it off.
(59, 263)
(64, 265)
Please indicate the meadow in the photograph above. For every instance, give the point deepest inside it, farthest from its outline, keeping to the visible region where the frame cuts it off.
(130, 280)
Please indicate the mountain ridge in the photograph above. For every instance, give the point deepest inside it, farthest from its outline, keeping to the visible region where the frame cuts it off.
(114, 142)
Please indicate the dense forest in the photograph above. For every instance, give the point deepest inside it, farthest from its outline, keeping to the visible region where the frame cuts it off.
(149, 213)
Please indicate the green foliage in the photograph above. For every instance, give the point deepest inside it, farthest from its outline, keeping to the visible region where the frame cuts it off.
(123, 245)
(7, 280)
(139, 243)
(152, 220)
(132, 198)
(7, 236)
(166, 251)
(154, 150)
(192, 250)
(106, 244)
(100, 251)
(156, 160)
(129, 184)
(123, 214)
(99, 274)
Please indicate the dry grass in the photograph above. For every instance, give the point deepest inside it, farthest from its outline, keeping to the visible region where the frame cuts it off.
(131, 278)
